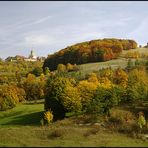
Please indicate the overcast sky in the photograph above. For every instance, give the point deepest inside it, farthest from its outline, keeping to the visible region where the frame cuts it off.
(50, 26)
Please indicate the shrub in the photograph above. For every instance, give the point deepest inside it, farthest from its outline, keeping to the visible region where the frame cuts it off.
(10, 95)
(37, 71)
(141, 120)
(69, 67)
(125, 117)
(48, 116)
(47, 71)
(104, 99)
(61, 68)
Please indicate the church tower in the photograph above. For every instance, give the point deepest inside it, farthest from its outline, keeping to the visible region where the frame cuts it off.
(32, 55)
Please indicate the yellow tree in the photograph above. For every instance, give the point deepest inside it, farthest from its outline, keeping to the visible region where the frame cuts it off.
(105, 83)
(71, 99)
(120, 77)
(93, 78)
(87, 90)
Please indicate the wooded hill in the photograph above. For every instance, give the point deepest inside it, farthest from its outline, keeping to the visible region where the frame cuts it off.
(90, 51)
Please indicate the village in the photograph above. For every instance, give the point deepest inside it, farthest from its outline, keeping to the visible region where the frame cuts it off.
(32, 57)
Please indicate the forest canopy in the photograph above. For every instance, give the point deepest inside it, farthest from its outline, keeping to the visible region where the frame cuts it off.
(90, 51)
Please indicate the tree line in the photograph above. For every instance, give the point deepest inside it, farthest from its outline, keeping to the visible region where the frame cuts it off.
(90, 51)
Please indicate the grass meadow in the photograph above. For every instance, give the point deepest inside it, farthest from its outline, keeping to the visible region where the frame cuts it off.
(21, 126)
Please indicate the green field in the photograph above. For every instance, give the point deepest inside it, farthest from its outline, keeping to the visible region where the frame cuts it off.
(20, 126)
(23, 114)
(87, 68)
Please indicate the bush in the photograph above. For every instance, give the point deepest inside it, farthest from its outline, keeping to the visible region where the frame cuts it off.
(61, 68)
(104, 99)
(48, 116)
(47, 71)
(141, 120)
(125, 117)
(37, 71)
(10, 95)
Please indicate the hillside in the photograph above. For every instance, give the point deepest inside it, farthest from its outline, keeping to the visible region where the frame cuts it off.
(90, 51)
(121, 61)
(24, 120)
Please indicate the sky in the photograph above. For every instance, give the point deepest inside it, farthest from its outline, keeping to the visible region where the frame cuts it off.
(49, 26)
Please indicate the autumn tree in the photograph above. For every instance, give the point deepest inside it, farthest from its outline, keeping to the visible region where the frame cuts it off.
(10, 95)
(34, 87)
(137, 88)
(53, 99)
(105, 82)
(71, 99)
(107, 72)
(90, 51)
(86, 90)
(120, 77)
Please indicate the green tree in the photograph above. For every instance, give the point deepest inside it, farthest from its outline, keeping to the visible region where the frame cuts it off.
(53, 99)
(34, 87)
(37, 71)
(137, 88)
(105, 99)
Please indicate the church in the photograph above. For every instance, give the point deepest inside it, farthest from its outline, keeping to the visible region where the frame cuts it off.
(32, 57)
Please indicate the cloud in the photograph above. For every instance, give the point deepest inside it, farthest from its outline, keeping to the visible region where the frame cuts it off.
(28, 22)
(39, 40)
(38, 21)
